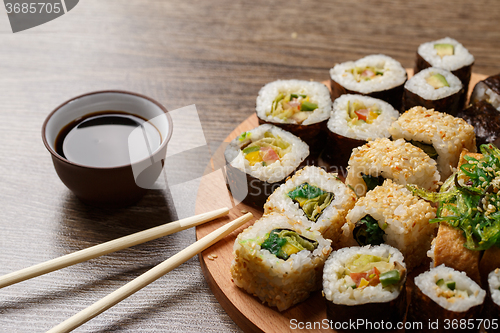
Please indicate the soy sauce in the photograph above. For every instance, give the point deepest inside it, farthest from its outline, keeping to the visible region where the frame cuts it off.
(107, 139)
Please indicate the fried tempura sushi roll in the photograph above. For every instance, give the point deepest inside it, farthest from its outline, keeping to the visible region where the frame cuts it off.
(279, 262)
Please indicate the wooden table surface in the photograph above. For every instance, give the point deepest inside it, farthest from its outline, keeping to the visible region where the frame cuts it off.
(214, 54)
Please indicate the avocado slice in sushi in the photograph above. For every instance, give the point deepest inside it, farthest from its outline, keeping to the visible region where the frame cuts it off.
(444, 49)
(437, 81)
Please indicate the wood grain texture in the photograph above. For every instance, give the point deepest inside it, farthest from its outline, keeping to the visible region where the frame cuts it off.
(215, 54)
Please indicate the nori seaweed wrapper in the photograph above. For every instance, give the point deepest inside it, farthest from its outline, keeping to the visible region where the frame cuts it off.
(393, 96)
(486, 121)
(464, 73)
(425, 310)
(313, 134)
(450, 104)
(393, 312)
(339, 148)
(493, 82)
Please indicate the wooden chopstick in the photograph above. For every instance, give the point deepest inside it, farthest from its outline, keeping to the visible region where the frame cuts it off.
(148, 277)
(108, 247)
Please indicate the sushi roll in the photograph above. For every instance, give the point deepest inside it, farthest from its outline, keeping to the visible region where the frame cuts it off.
(300, 107)
(444, 293)
(434, 88)
(356, 119)
(260, 160)
(486, 122)
(447, 54)
(377, 75)
(392, 215)
(488, 90)
(316, 199)
(279, 262)
(441, 136)
(365, 283)
(493, 310)
(398, 160)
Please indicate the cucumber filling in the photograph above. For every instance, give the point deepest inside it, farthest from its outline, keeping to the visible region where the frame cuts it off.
(293, 106)
(311, 199)
(369, 270)
(266, 151)
(284, 242)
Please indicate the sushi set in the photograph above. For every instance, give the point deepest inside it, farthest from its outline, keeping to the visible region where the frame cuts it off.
(364, 242)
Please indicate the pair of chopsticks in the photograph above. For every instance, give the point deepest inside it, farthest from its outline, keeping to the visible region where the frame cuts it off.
(122, 243)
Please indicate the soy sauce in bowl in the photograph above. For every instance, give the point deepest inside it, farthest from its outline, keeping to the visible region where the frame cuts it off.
(107, 139)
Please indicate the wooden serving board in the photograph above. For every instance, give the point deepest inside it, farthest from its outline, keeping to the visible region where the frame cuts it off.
(246, 310)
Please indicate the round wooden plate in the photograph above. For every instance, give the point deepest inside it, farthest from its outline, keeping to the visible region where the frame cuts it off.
(246, 310)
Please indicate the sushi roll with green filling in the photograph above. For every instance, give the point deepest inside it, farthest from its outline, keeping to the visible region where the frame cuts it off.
(398, 160)
(279, 262)
(376, 75)
(392, 215)
(441, 136)
(365, 283)
(315, 199)
(434, 88)
(300, 107)
(354, 121)
(260, 160)
(444, 293)
(449, 54)
(493, 310)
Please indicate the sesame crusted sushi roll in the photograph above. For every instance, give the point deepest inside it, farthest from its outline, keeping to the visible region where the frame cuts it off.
(365, 283)
(444, 293)
(434, 88)
(260, 160)
(356, 119)
(441, 136)
(398, 160)
(315, 199)
(392, 215)
(279, 262)
(377, 75)
(447, 54)
(300, 107)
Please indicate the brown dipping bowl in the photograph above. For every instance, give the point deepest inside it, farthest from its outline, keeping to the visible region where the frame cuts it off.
(115, 186)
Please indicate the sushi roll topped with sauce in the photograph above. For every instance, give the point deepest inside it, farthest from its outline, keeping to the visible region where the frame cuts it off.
(377, 75)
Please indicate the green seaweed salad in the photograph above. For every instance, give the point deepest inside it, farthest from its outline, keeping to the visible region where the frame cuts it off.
(469, 199)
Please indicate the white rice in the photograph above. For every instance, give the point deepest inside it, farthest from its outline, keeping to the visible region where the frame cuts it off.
(317, 92)
(419, 86)
(276, 171)
(332, 217)
(459, 59)
(339, 119)
(483, 92)
(426, 282)
(394, 74)
(494, 284)
(337, 286)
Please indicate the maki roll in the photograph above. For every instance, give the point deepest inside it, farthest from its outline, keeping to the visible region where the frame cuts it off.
(300, 107)
(356, 119)
(392, 215)
(260, 160)
(444, 293)
(488, 90)
(493, 310)
(398, 160)
(434, 88)
(441, 136)
(377, 75)
(447, 54)
(486, 122)
(279, 262)
(365, 283)
(316, 199)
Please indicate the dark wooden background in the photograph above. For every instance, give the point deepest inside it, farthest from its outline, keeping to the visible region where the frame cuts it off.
(215, 54)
